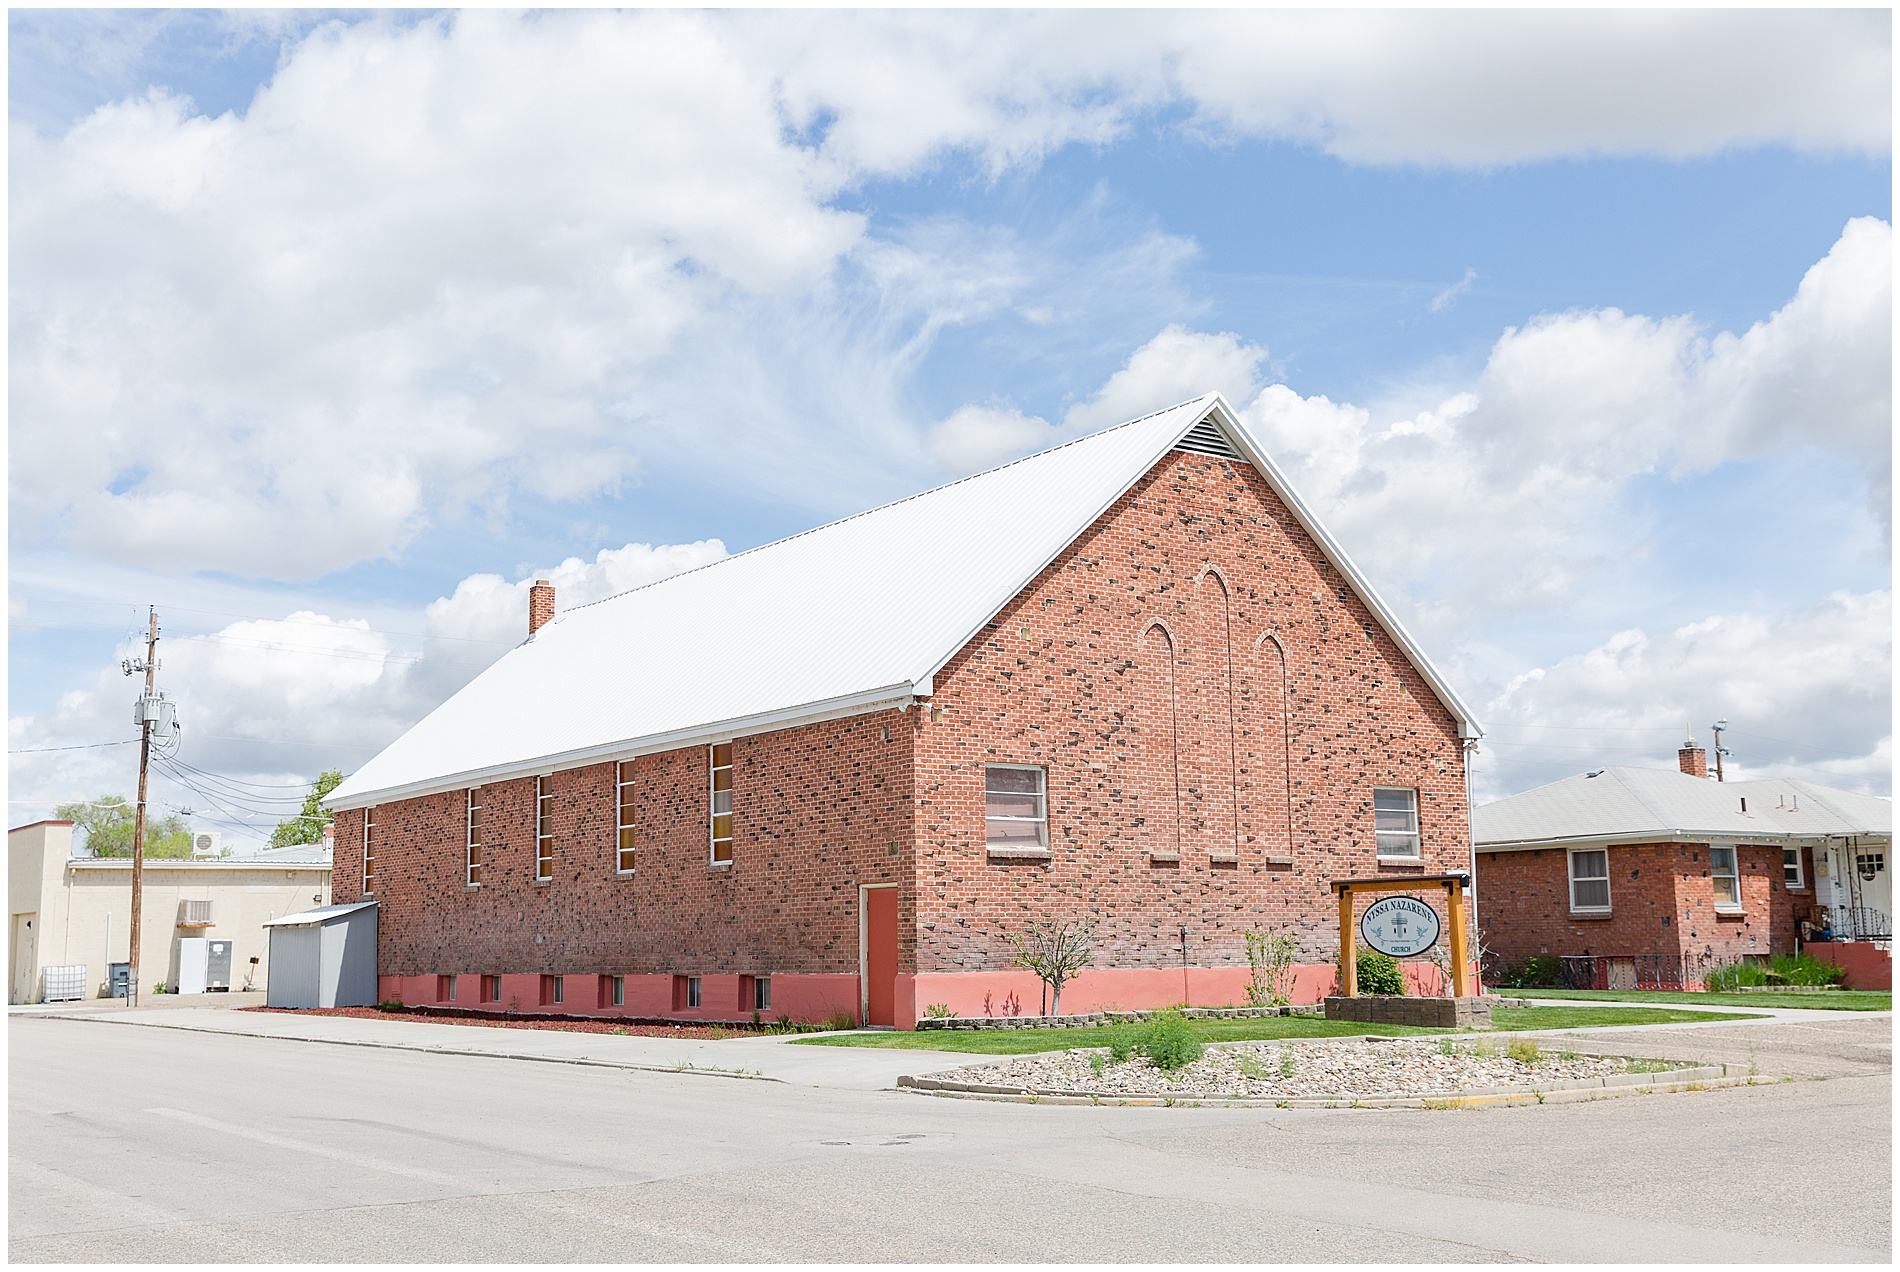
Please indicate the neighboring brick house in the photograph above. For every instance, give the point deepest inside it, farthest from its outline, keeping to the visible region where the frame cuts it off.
(1129, 679)
(1646, 878)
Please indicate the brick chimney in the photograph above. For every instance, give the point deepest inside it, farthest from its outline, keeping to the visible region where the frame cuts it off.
(1692, 759)
(540, 605)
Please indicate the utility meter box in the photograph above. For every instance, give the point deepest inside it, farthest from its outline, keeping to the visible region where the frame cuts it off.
(218, 965)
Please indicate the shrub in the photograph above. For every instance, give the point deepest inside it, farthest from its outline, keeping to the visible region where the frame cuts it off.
(939, 1011)
(839, 1019)
(1169, 1041)
(1803, 969)
(1782, 969)
(1122, 1042)
(1377, 973)
(1539, 971)
(1524, 1050)
(1270, 959)
(390, 1004)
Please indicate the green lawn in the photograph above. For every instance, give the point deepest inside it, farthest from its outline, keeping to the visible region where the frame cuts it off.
(1011, 1042)
(1831, 1000)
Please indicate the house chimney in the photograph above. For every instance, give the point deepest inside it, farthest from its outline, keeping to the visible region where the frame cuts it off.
(1693, 760)
(540, 605)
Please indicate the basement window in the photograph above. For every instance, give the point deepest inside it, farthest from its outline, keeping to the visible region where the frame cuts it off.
(1590, 881)
(1725, 880)
(619, 991)
(553, 990)
(491, 989)
(1015, 807)
(761, 993)
(1395, 820)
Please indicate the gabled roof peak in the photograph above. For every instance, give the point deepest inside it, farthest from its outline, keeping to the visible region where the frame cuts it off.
(856, 615)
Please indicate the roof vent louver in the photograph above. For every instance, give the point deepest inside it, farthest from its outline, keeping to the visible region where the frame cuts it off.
(1206, 438)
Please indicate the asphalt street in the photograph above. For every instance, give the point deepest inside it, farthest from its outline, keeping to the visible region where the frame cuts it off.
(130, 1144)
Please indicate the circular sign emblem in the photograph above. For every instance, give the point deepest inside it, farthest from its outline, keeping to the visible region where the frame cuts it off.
(1399, 926)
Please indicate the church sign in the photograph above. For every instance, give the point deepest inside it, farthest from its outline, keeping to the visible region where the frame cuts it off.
(1400, 926)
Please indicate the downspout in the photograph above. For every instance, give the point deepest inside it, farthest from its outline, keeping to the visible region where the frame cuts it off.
(1471, 841)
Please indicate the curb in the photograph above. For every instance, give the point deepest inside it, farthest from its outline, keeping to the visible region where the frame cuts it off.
(1696, 1078)
(582, 1061)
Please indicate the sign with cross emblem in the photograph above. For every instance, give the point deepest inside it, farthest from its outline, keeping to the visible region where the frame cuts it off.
(1400, 926)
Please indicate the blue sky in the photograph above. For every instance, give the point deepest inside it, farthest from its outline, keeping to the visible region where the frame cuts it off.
(396, 344)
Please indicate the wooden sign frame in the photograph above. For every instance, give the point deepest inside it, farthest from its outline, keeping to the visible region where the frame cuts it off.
(1454, 885)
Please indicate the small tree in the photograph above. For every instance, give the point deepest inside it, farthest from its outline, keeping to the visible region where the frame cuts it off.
(307, 826)
(1055, 951)
(108, 823)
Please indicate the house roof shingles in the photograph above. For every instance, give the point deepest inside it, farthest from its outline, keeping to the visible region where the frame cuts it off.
(1636, 804)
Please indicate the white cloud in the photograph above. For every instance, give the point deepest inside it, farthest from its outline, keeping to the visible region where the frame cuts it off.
(268, 702)
(435, 262)
(1506, 495)
(1807, 694)
(1446, 299)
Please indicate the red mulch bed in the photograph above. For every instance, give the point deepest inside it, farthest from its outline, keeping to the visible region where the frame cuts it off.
(565, 1024)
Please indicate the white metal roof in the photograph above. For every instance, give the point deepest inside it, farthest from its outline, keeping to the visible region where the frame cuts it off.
(854, 616)
(321, 914)
(1638, 804)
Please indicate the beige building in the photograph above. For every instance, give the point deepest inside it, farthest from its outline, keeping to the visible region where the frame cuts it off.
(68, 911)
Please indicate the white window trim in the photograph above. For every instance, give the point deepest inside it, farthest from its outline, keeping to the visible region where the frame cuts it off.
(1738, 904)
(1418, 832)
(712, 806)
(1800, 883)
(621, 784)
(369, 852)
(1042, 848)
(470, 844)
(542, 794)
(1570, 882)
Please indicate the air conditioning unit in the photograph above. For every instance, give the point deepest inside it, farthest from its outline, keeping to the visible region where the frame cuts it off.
(207, 843)
(194, 914)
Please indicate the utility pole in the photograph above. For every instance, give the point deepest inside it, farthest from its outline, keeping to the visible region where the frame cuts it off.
(149, 665)
(1717, 728)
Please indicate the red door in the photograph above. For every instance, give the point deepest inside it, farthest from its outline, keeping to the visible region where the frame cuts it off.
(880, 956)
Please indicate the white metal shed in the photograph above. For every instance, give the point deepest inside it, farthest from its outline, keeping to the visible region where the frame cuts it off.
(324, 957)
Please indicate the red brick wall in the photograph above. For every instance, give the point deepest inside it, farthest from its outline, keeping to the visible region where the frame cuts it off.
(1289, 704)
(1065, 681)
(1661, 902)
(817, 810)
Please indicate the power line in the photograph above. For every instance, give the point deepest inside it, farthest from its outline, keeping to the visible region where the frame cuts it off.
(81, 746)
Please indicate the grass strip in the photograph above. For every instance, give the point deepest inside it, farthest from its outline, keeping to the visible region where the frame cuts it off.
(1016, 1042)
(1825, 1000)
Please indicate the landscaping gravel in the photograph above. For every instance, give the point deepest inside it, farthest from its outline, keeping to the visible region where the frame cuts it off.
(1351, 1068)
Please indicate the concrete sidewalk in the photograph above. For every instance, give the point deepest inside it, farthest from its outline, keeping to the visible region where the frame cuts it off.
(771, 1057)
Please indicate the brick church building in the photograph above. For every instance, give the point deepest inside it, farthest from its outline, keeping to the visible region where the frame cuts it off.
(1128, 679)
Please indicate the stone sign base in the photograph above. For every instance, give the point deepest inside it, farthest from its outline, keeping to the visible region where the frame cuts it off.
(1430, 1013)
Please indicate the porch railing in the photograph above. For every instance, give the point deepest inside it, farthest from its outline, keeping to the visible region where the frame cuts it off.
(1861, 923)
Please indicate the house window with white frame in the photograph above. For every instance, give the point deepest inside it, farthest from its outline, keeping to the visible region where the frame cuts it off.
(1725, 879)
(473, 848)
(369, 851)
(624, 844)
(1015, 806)
(1791, 875)
(1395, 820)
(1590, 880)
(543, 829)
(721, 821)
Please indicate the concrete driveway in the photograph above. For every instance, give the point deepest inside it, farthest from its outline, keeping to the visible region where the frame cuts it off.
(180, 1144)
